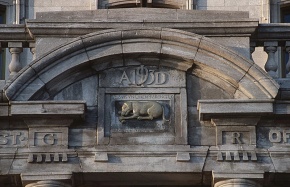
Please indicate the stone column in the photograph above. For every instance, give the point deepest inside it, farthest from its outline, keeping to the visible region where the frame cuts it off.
(237, 183)
(48, 183)
(271, 64)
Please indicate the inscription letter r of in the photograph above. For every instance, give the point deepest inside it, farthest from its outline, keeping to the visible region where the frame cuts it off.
(236, 138)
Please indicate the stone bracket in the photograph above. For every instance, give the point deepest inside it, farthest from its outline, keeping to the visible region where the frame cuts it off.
(47, 157)
(236, 156)
(182, 157)
(101, 157)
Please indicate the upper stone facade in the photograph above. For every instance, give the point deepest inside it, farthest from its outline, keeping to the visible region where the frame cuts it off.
(143, 96)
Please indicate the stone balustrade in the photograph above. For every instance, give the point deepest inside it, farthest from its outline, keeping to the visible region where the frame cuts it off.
(275, 40)
(14, 38)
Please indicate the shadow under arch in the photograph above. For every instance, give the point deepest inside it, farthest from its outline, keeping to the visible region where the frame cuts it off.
(87, 55)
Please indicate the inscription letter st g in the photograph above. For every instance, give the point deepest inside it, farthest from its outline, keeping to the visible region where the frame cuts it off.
(49, 139)
(3, 138)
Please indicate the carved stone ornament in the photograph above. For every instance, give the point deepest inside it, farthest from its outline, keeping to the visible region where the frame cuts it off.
(147, 110)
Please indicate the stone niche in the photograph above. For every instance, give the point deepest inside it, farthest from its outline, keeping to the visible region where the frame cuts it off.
(142, 105)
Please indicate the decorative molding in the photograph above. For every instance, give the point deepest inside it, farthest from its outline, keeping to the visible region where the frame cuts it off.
(228, 107)
(182, 157)
(101, 157)
(236, 156)
(47, 157)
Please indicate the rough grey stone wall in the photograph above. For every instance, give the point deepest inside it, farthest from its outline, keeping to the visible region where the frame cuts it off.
(63, 5)
(257, 8)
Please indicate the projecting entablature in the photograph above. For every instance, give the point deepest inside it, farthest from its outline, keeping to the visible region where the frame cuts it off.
(116, 102)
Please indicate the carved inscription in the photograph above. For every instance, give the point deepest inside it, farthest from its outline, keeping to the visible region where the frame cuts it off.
(144, 97)
(142, 76)
(279, 136)
(44, 138)
(48, 137)
(235, 137)
(13, 138)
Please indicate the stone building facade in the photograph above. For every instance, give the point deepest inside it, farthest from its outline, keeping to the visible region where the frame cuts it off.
(144, 93)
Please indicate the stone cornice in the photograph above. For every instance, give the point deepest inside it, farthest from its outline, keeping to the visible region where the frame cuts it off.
(14, 33)
(71, 29)
(232, 107)
(32, 109)
(208, 23)
(272, 32)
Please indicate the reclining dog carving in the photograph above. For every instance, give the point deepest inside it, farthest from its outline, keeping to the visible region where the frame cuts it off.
(141, 110)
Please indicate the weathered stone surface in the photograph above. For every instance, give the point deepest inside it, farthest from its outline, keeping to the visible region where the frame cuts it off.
(46, 44)
(239, 44)
(245, 107)
(47, 108)
(198, 88)
(4, 109)
(114, 18)
(142, 76)
(103, 37)
(201, 126)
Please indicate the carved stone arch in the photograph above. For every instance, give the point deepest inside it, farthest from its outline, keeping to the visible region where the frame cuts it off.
(89, 54)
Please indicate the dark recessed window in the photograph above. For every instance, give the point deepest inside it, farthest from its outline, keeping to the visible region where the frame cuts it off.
(2, 56)
(145, 3)
(285, 18)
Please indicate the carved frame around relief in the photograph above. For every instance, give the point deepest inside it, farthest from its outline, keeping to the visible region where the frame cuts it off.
(165, 93)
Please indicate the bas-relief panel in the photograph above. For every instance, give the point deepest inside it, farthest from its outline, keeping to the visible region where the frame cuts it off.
(141, 113)
(142, 101)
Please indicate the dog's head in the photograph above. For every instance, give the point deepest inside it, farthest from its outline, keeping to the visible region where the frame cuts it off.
(126, 108)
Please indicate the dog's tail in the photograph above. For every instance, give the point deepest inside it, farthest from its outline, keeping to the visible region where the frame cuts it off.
(163, 115)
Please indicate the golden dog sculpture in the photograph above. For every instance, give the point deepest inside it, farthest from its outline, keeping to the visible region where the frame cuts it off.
(141, 110)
